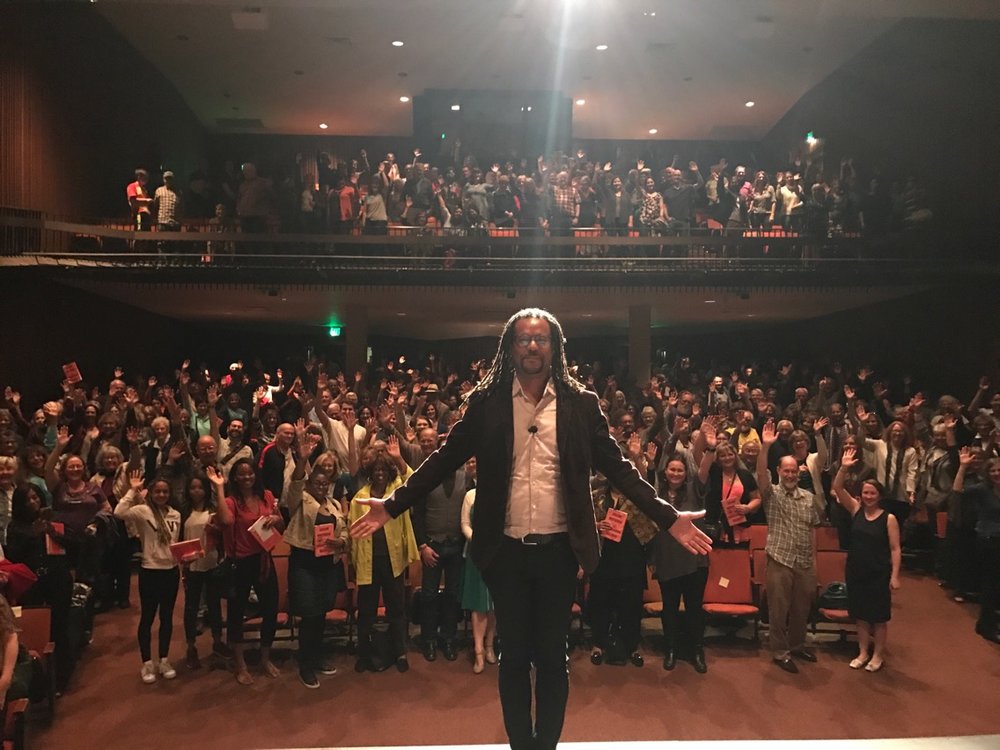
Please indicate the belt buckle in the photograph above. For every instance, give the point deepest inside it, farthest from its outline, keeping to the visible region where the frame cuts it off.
(527, 543)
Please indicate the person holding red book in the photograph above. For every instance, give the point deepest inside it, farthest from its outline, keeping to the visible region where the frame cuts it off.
(317, 535)
(247, 504)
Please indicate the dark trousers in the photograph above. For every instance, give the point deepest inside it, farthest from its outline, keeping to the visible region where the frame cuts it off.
(157, 593)
(533, 588)
(988, 551)
(54, 588)
(311, 641)
(195, 584)
(960, 554)
(443, 613)
(393, 596)
(690, 588)
(118, 565)
(247, 575)
(613, 599)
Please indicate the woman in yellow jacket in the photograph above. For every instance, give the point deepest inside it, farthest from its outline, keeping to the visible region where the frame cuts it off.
(380, 560)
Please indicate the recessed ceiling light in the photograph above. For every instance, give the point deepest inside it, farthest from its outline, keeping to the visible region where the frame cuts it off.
(456, 107)
(749, 104)
(529, 109)
(401, 314)
(710, 302)
(404, 99)
(601, 47)
(397, 43)
(580, 102)
(649, 13)
(323, 126)
(653, 131)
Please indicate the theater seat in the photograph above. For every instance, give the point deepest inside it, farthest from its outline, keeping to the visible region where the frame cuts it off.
(728, 592)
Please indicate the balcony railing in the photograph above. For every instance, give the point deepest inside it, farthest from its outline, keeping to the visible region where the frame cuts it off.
(32, 239)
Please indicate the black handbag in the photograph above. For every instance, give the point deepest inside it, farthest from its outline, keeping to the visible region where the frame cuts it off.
(834, 596)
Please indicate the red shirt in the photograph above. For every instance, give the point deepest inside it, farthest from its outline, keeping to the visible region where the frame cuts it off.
(238, 541)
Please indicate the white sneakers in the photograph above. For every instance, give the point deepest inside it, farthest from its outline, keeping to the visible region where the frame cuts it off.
(166, 669)
(151, 669)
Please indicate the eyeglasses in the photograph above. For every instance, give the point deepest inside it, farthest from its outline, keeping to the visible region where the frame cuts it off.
(525, 341)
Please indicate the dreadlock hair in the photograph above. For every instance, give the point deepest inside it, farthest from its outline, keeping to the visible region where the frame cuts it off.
(502, 369)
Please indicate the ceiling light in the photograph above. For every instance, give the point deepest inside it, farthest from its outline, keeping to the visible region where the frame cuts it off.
(710, 302)
(652, 131)
(580, 102)
(397, 43)
(456, 107)
(529, 109)
(749, 104)
(601, 47)
(323, 126)
(404, 99)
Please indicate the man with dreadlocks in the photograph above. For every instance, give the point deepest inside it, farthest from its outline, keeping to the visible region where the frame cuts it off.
(537, 435)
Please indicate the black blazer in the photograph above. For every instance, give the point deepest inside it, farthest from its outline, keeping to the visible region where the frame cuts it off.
(585, 445)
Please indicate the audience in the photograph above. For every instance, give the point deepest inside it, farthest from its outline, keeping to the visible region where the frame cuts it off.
(318, 439)
(556, 194)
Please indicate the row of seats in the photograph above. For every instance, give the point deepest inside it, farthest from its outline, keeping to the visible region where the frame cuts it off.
(736, 587)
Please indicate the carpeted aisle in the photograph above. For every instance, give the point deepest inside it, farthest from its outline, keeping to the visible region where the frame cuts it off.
(940, 680)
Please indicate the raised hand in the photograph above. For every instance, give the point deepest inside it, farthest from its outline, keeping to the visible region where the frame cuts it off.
(634, 446)
(711, 436)
(119, 372)
(769, 433)
(984, 383)
(966, 457)
(849, 393)
(350, 419)
(861, 412)
(135, 480)
(132, 435)
(849, 457)
(819, 424)
(151, 382)
(392, 447)
(215, 476)
(62, 437)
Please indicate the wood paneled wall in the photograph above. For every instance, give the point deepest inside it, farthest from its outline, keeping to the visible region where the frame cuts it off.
(80, 109)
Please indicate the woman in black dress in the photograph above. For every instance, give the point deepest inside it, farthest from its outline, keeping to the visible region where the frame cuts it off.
(872, 564)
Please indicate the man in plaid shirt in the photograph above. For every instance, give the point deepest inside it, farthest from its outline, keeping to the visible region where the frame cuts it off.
(792, 512)
(562, 209)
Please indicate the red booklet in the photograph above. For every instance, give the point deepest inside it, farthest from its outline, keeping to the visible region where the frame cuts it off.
(72, 372)
(267, 538)
(617, 520)
(186, 552)
(52, 547)
(733, 516)
(324, 532)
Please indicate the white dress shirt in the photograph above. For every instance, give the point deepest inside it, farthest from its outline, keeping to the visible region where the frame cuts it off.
(535, 504)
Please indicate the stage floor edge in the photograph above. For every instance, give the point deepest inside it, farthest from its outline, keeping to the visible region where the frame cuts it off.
(979, 742)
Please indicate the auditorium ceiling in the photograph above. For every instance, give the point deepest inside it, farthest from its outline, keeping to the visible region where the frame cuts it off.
(686, 68)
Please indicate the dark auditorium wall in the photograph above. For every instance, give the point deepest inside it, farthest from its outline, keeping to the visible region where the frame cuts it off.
(50, 324)
(921, 100)
(80, 109)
